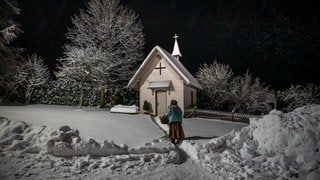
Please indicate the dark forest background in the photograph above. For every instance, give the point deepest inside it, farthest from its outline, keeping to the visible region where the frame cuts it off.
(277, 41)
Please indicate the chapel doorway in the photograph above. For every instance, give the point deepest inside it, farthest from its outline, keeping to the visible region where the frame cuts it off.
(161, 102)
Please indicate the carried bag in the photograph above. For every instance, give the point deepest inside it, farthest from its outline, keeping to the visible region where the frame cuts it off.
(164, 120)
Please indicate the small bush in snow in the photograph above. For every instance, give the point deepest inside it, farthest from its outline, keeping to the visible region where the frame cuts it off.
(249, 95)
(297, 96)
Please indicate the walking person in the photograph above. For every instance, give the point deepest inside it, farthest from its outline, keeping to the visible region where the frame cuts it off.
(174, 115)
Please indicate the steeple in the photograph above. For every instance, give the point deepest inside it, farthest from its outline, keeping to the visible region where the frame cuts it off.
(176, 51)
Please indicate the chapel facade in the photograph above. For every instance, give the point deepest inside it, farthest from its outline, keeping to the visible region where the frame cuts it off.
(161, 78)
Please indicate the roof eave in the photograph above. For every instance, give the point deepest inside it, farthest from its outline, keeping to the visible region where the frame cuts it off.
(133, 81)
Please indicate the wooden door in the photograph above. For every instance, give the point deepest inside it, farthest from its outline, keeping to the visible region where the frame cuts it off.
(161, 102)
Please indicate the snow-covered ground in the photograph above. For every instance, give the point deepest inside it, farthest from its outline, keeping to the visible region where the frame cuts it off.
(134, 130)
(99, 144)
(91, 122)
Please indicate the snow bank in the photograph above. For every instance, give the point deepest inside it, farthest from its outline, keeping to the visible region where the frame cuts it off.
(277, 145)
(22, 137)
(294, 135)
(33, 149)
(66, 142)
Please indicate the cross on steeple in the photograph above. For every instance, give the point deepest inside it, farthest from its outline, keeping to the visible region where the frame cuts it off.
(175, 37)
(160, 67)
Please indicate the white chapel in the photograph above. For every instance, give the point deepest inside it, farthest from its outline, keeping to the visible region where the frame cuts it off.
(162, 77)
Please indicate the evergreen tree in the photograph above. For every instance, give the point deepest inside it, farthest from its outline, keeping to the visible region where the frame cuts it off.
(9, 30)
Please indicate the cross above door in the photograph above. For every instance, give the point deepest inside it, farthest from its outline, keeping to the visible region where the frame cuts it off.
(160, 67)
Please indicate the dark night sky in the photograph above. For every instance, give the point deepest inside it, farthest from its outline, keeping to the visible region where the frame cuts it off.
(278, 41)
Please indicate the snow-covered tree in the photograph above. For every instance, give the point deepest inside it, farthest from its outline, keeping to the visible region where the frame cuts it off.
(13, 87)
(297, 96)
(9, 30)
(215, 80)
(36, 75)
(249, 95)
(82, 65)
(241, 94)
(8, 55)
(112, 32)
(29, 75)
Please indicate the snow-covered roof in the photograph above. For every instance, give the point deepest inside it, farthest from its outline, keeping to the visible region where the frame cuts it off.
(188, 78)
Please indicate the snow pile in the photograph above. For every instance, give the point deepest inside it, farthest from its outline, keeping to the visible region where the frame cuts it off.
(278, 145)
(294, 137)
(21, 137)
(125, 109)
(66, 142)
(21, 142)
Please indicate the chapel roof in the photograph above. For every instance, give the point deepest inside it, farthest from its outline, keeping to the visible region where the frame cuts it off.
(187, 77)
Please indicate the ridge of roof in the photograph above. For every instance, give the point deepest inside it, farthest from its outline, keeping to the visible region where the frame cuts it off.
(178, 66)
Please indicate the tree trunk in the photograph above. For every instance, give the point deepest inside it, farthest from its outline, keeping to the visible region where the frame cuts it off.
(102, 98)
(81, 95)
(9, 95)
(81, 90)
(111, 97)
(28, 95)
(111, 100)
